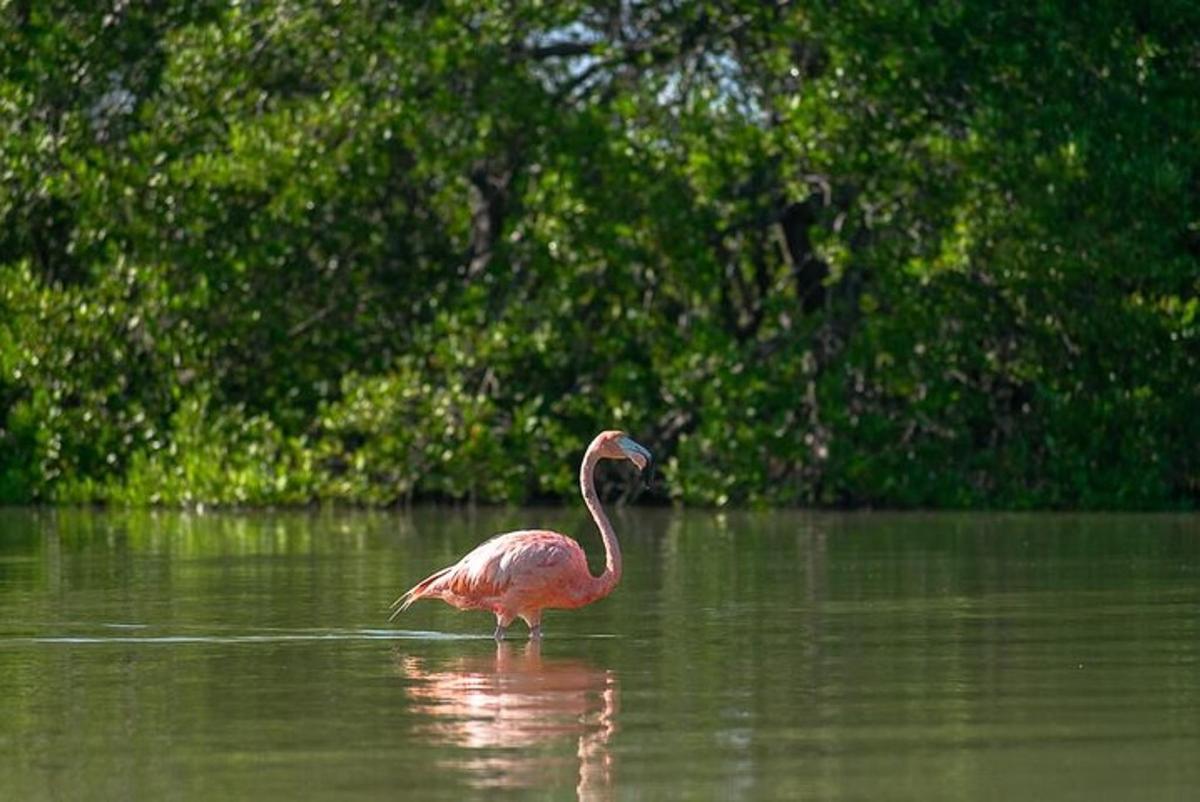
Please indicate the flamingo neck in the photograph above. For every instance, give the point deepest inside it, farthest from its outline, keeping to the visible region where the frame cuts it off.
(603, 584)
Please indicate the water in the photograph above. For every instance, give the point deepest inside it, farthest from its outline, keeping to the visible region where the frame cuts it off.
(746, 656)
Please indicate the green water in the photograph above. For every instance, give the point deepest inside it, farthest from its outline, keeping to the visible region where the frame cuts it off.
(748, 656)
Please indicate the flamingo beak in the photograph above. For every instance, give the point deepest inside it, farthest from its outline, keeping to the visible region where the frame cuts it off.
(638, 455)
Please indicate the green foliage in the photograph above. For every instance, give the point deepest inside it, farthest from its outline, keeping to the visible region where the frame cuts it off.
(846, 254)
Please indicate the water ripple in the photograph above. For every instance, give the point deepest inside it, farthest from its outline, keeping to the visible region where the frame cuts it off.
(256, 637)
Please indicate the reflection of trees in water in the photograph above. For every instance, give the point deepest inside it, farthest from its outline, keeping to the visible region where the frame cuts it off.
(512, 710)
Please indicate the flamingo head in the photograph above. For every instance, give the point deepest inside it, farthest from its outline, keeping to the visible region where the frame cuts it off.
(618, 445)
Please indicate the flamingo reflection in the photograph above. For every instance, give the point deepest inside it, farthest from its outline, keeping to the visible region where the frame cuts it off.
(514, 711)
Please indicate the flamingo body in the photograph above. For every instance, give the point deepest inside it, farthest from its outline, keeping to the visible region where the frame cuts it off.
(514, 575)
(520, 574)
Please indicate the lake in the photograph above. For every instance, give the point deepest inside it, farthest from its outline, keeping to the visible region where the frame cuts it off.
(780, 655)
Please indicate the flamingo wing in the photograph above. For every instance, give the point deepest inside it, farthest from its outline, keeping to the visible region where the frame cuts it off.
(514, 561)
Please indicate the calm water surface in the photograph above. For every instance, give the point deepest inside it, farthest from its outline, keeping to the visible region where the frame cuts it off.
(747, 656)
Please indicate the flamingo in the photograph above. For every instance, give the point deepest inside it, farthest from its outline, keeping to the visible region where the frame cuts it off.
(520, 574)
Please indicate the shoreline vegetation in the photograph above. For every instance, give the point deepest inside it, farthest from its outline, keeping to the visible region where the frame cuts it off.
(844, 255)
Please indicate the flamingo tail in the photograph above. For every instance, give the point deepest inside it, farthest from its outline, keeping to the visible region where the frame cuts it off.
(417, 591)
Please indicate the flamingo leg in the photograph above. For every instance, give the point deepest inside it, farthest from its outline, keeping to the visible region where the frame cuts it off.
(534, 622)
(502, 622)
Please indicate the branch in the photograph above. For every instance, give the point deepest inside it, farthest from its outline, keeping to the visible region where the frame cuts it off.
(562, 50)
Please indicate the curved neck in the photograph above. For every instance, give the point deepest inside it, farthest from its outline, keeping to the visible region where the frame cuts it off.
(603, 584)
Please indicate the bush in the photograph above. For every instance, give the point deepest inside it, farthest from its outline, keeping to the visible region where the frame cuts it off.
(845, 254)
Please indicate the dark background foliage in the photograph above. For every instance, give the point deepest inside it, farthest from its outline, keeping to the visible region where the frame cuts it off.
(903, 254)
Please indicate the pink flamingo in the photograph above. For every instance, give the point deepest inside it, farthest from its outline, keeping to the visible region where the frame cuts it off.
(519, 574)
